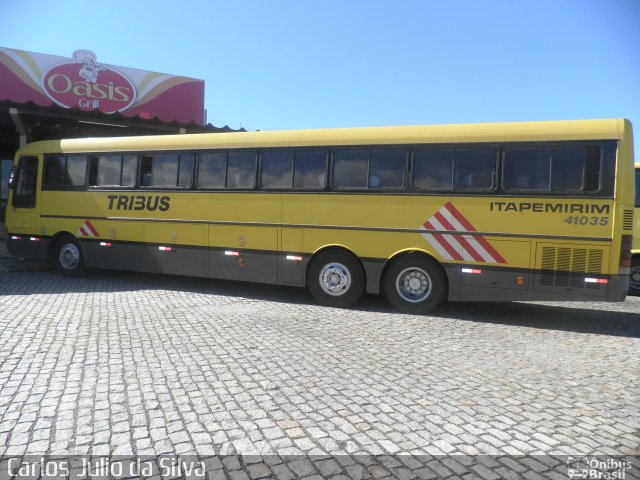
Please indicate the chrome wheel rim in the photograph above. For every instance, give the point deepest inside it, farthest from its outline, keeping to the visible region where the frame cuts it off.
(69, 256)
(413, 284)
(335, 279)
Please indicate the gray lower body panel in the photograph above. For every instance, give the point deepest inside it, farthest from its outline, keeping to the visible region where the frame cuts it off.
(242, 265)
(512, 285)
(464, 284)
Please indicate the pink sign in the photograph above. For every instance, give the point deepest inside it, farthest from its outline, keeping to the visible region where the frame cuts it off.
(84, 83)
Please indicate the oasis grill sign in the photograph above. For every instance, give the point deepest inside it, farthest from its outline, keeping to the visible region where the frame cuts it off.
(86, 84)
(82, 82)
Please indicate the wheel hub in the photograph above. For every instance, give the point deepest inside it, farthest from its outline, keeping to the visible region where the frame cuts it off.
(413, 284)
(69, 256)
(335, 279)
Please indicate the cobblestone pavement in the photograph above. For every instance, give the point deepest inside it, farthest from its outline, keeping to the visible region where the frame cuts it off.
(267, 384)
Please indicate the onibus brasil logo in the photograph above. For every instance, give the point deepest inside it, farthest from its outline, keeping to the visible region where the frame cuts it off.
(598, 468)
(86, 84)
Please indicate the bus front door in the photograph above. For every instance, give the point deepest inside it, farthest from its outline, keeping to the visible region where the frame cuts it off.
(23, 217)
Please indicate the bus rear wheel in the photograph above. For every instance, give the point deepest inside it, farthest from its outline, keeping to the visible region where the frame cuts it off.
(634, 277)
(69, 258)
(335, 279)
(414, 284)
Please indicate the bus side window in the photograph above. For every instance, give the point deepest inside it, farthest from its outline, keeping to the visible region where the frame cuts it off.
(241, 170)
(76, 171)
(112, 170)
(164, 170)
(146, 172)
(276, 169)
(526, 168)
(474, 168)
(211, 169)
(387, 169)
(350, 169)
(575, 168)
(310, 169)
(129, 170)
(185, 170)
(53, 175)
(432, 168)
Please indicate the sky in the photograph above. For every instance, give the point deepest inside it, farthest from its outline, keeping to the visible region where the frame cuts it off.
(296, 64)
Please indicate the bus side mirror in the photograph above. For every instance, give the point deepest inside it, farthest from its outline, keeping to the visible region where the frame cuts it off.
(12, 178)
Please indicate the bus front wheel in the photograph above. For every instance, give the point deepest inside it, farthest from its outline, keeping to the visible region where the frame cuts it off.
(335, 279)
(634, 278)
(69, 257)
(414, 284)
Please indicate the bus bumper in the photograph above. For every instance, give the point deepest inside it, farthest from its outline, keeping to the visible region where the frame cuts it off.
(28, 246)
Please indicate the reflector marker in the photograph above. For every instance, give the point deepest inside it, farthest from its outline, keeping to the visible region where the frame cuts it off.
(34, 239)
(231, 253)
(471, 270)
(165, 249)
(16, 237)
(294, 257)
(105, 244)
(601, 281)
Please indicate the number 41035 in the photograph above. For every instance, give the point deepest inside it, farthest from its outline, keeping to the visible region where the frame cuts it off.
(586, 220)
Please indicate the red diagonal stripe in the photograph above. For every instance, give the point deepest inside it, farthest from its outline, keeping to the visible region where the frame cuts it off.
(463, 242)
(90, 227)
(459, 217)
(443, 242)
(481, 240)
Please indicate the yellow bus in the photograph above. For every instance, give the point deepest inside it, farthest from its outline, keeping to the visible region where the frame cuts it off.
(512, 211)
(634, 280)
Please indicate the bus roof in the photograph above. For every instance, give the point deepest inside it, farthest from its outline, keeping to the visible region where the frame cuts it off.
(611, 129)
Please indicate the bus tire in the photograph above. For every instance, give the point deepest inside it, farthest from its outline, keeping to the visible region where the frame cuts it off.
(335, 279)
(414, 284)
(634, 277)
(69, 257)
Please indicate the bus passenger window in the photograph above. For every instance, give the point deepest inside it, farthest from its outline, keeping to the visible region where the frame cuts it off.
(76, 171)
(113, 170)
(105, 170)
(146, 174)
(211, 170)
(350, 169)
(474, 168)
(387, 169)
(575, 168)
(54, 170)
(164, 170)
(277, 169)
(185, 172)
(526, 168)
(160, 170)
(432, 168)
(310, 169)
(241, 170)
(64, 172)
(129, 170)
